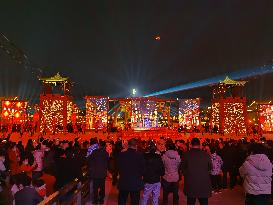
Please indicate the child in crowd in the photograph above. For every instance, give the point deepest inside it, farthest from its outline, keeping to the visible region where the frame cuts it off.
(216, 170)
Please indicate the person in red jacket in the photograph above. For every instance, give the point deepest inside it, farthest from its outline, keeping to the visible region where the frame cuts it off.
(50, 181)
(13, 159)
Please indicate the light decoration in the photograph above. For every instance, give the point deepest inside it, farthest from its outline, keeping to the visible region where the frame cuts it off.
(215, 115)
(136, 118)
(69, 108)
(230, 115)
(53, 109)
(14, 111)
(234, 118)
(266, 117)
(149, 113)
(189, 110)
(96, 112)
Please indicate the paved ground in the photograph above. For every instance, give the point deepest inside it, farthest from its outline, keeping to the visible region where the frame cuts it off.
(227, 197)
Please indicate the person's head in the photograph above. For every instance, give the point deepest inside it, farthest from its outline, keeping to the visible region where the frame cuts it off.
(93, 141)
(39, 146)
(212, 150)
(151, 147)
(195, 143)
(170, 145)
(25, 180)
(257, 148)
(132, 143)
(102, 144)
(161, 145)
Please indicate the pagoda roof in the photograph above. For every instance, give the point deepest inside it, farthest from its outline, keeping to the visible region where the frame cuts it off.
(54, 79)
(229, 81)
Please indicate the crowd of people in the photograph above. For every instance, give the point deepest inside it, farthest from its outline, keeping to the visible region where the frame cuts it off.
(139, 168)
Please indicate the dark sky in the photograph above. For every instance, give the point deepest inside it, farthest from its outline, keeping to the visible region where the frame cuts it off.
(107, 47)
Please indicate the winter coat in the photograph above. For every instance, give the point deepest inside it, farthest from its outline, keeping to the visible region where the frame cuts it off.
(257, 172)
(27, 196)
(131, 166)
(98, 164)
(154, 168)
(171, 161)
(196, 167)
(217, 164)
(228, 154)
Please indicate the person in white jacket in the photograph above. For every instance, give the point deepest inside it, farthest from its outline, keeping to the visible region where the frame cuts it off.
(257, 174)
(170, 180)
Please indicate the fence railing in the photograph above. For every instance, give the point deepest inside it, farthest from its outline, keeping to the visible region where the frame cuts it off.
(74, 193)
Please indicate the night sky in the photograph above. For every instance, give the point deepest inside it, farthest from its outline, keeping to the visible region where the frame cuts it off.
(108, 47)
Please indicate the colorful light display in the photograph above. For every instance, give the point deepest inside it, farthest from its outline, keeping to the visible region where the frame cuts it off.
(96, 112)
(14, 111)
(54, 112)
(189, 110)
(234, 118)
(215, 115)
(144, 113)
(230, 115)
(266, 117)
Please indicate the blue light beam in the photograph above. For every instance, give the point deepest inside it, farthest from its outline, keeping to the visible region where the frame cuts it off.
(236, 75)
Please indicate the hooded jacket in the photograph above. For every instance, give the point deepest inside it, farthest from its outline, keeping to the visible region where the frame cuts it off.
(171, 161)
(257, 172)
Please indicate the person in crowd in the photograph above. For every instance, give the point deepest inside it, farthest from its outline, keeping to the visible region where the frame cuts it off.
(98, 163)
(49, 157)
(117, 147)
(131, 166)
(154, 169)
(50, 181)
(124, 145)
(29, 147)
(40, 187)
(27, 165)
(14, 159)
(256, 172)
(3, 168)
(170, 181)
(216, 170)
(160, 146)
(15, 185)
(27, 195)
(228, 155)
(196, 167)
(38, 157)
(64, 170)
(93, 146)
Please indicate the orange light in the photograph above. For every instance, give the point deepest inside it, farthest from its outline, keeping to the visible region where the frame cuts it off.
(17, 115)
(6, 113)
(18, 104)
(7, 103)
(157, 38)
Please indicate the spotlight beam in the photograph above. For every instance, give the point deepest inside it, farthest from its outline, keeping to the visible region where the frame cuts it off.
(266, 69)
